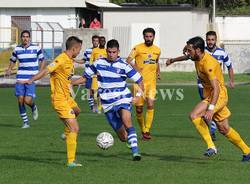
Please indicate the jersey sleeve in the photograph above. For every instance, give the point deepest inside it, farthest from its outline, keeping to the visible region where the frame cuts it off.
(40, 55)
(133, 53)
(227, 61)
(13, 57)
(55, 64)
(211, 69)
(90, 71)
(132, 73)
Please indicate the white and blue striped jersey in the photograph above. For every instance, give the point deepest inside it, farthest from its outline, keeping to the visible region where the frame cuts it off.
(28, 60)
(86, 56)
(112, 86)
(221, 56)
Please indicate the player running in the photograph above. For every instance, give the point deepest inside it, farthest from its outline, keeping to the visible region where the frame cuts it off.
(29, 57)
(61, 70)
(99, 52)
(86, 60)
(214, 105)
(146, 57)
(116, 98)
(222, 57)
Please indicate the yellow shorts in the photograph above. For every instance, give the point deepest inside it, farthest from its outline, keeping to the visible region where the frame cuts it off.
(149, 92)
(94, 85)
(64, 108)
(221, 111)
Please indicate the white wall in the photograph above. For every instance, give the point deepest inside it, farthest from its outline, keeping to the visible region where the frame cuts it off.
(233, 28)
(64, 16)
(176, 27)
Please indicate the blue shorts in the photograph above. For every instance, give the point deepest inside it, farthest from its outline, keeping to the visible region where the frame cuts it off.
(114, 117)
(25, 90)
(88, 83)
(200, 89)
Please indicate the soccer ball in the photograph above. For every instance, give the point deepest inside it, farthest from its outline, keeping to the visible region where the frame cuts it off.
(104, 140)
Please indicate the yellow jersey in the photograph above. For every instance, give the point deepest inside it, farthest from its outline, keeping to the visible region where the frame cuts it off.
(146, 59)
(96, 54)
(61, 70)
(208, 68)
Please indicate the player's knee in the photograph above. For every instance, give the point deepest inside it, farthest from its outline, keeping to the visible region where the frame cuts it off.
(123, 138)
(77, 111)
(192, 116)
(20, 100)
(223, 130)
(150, 107)
(139, 110)
(27, 101)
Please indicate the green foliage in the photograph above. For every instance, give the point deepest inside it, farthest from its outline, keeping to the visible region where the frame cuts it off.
(224, 7)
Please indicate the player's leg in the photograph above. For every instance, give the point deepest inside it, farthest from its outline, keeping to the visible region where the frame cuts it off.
(196, 117)
(210, 124)
(132, 137)
(29, 99)
(149, 117)
(94, 87)
(139, 111)
(20, 92)
(90, 93)
(234, 137)
(71, 132)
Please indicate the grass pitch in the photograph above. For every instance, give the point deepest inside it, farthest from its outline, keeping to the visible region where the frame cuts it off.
(174, 156)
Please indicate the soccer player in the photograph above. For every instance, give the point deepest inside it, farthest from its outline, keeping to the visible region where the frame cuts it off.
(222, 57)
(214, 105)
(115, 96)
(99, 52)
(146, 57)
(29, 57)
(86, 59)
(61, 70)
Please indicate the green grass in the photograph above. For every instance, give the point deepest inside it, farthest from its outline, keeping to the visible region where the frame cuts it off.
(174, 156)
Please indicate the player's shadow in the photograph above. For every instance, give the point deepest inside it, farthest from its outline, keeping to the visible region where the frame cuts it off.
(95, 156)
(9, 125)
(31, 159)
(184, 158)
(177, 136)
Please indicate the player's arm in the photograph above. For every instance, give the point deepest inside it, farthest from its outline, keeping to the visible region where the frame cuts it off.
(177, 59)
(231, 77)
(88, 73)
(131, 57)
(10, 67)
(214, 97)
(36, 77)
(12, 63)
(41, 59)
(158, 71)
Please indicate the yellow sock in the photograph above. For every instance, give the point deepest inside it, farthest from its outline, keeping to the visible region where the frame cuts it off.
(140, 119)
(235, 138)
(71, 146)
(149, 119)
(99, 105)
(202, 128)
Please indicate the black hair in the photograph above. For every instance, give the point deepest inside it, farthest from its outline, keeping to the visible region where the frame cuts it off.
(95, 36)
(211, 33)
(148, 30)
(102, 37)
(71, 41)
(25, 31)
(197, 42)
(113, 44)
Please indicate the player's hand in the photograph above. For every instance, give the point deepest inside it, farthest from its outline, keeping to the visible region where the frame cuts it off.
(209, 115)
(169, 61)
(159, 76)
(25, 81)
(231, 84)
(8, 72)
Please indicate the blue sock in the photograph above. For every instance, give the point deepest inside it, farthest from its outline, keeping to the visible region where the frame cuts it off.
(132, 139)
(213, 127)
(33, 106)
(91, 102)
(22, 112)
